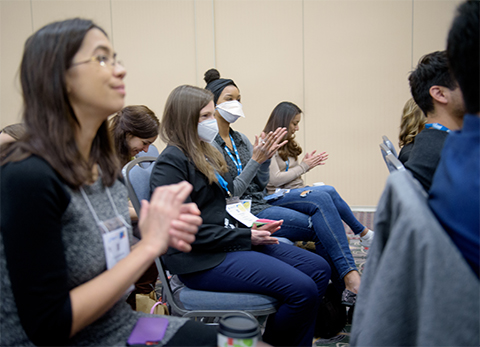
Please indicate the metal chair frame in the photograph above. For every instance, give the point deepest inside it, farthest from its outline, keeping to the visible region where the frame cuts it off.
(177, 307)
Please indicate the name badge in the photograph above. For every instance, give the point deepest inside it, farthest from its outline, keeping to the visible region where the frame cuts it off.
(116, 246)
(240, 213)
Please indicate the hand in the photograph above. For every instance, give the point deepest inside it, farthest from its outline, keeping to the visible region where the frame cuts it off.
(261, 236)
(313, 160)
(156, 218)
(266, 146)
(183, 230)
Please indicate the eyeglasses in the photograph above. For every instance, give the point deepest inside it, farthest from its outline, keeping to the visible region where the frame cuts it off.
(103, 60)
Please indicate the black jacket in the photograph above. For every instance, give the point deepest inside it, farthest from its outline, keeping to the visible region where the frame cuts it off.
(213, 239)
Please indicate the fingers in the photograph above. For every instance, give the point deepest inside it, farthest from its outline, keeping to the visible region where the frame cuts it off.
(256, 141)
(181, 245)
(189, 224)
(190, 208)
(176, 234)
(144, 208)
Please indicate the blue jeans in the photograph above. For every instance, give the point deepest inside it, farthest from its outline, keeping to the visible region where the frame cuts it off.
(316, 217)
(297, 278)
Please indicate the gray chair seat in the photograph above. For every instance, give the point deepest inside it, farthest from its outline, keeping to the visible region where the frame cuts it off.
(199, 299)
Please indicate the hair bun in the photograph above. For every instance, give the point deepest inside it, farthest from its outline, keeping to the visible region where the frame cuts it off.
(211, 75)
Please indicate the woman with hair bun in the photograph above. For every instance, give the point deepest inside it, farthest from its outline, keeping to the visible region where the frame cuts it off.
(314, 217)
(223, 257)
(134, 129)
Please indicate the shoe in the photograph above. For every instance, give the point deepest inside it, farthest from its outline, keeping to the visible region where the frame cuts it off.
(366, 241)
(348, 298)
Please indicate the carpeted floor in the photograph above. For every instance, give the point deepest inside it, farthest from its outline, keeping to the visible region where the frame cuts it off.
(360, 255)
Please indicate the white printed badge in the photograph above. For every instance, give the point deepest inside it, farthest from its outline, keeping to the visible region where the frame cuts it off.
(116, 246)
(240, 213)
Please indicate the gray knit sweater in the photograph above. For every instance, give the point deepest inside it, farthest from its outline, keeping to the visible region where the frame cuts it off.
(82, 255)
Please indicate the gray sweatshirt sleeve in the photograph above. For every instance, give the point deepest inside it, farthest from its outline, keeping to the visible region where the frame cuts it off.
(253, 170)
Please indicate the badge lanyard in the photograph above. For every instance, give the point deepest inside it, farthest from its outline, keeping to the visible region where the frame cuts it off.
(223, 183)
(287, 163)
(437, 126)
(237, 162)
(114, 233)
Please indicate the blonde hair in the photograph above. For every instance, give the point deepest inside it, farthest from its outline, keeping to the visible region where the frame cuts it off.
(413, 121)
(179, 128)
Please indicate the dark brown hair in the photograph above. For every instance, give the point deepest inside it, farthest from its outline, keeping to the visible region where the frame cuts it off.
(179, 128)
(281, 117)
(50, 122)
(14, 130)
(136, 120)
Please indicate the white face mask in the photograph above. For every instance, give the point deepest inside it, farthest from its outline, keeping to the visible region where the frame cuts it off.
(207, 130)
(230, 110)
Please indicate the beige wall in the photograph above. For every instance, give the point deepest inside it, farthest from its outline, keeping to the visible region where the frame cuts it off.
(345, 63)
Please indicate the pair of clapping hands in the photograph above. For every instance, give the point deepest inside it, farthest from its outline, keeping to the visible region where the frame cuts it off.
(266, 145)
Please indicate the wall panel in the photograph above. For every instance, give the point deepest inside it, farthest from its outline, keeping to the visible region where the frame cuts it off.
(357, 54)
(344, 62)
(15, 27)
(259, 46)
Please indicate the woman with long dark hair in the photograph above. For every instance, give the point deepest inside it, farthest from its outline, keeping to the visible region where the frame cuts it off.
(312, 218)
(223, 257)
(134, 129)
(65, 257)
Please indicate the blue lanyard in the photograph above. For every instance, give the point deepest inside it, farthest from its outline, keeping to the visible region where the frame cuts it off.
(287, 163)
(237, 162)
(223, 183)
(437, 126)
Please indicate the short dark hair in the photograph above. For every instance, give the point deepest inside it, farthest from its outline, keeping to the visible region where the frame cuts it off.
(432, 70)
(463, 53)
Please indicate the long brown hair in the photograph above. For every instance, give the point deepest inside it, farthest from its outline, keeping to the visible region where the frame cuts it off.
(136, 120)
(50, 122)
(16, 130)
(179, 128)
(281, 116)
(413, 121)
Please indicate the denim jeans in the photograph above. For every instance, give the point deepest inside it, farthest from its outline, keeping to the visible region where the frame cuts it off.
(315, 217)
(297, 278)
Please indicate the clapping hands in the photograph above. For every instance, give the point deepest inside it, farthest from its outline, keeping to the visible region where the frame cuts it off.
(266, 145)
(313, 160)
(167, 221)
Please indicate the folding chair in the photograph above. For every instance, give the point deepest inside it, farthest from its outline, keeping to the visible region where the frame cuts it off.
(393, 164)
(188, 302)
(390, 145)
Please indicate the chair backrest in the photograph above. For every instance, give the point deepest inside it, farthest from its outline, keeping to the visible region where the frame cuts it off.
(393, 164)
(152, 152)
(417, 289)
(189, 302)
(137, 179)
(390, 145)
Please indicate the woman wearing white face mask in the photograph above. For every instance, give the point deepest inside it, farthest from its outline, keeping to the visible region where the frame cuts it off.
(310, 223)
(225, 258)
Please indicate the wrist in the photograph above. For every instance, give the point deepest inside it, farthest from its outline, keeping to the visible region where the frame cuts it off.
(151, 250)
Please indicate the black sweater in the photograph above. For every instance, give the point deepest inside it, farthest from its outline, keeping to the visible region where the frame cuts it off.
(425, 155)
